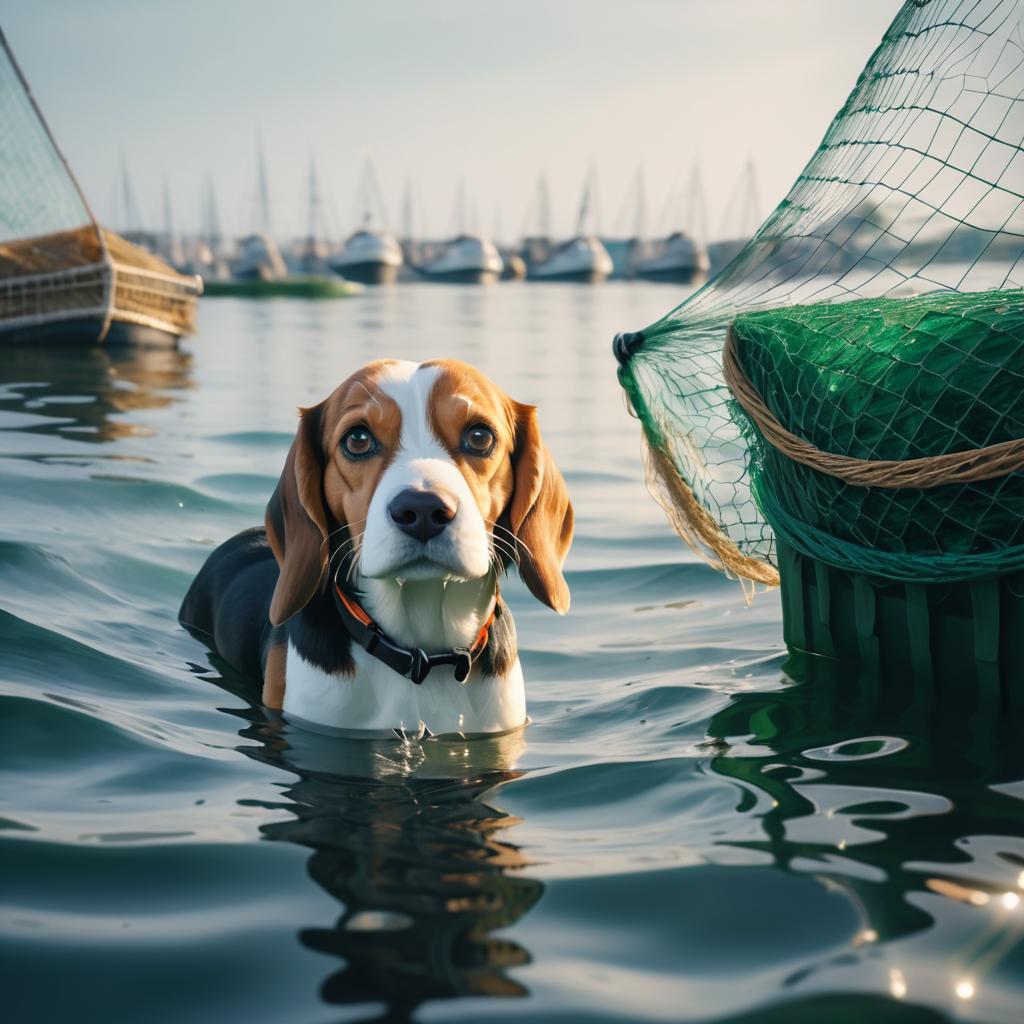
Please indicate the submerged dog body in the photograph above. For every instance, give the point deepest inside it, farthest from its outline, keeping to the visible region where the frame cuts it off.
(405, 495)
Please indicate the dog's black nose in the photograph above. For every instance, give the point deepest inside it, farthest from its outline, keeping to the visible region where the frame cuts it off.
(420, 514)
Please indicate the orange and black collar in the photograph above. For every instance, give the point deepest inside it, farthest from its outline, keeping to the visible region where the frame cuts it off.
(411, 662)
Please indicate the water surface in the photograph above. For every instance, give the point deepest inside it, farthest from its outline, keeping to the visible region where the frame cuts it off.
(684, 832)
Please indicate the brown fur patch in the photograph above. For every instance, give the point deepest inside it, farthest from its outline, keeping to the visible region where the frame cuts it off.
(320, 486)
(349, 486)
(517, 487)
(274, 677)
(463, 397)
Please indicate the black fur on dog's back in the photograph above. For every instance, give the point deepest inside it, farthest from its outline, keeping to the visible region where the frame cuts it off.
(228, 604)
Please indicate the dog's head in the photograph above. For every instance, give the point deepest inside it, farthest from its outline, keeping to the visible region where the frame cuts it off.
(424, 470)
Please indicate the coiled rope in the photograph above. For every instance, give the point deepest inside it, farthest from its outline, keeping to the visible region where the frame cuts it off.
(931, 471)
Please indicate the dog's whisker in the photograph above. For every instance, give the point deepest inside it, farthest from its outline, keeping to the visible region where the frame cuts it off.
(351, 553)
(343, 527)
(505, 548)
(516, 540)
(351, 569)
(347, 526)
(509, 556)
(346, 549)
(506, 554)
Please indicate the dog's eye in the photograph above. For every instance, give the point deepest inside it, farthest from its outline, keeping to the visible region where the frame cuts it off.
(478, 440)
(358, 443)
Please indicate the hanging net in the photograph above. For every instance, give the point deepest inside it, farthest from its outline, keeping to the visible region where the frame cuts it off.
(57, 265)
(39, 196)
(875, 396)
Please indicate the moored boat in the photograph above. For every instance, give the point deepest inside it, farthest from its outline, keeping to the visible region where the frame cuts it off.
(466, 259)
(583, 259)
(678, 259)
(259, 259)
(369, 256)
(304, 286)
(90, 285)
(261, 272)
(63, 277)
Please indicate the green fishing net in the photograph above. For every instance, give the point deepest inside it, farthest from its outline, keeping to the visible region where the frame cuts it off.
(915, 197)
(891, 379)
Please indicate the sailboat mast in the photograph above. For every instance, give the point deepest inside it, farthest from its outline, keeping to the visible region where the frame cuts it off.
(752, 200)
(315, 203)
(585, 201)
(262, 191)
(544, 207)
(168, 213)
(132, 221)
(696, 217)
(407, 226)
(640, 225)
(460, 208)
(211, 217)
(170, 243)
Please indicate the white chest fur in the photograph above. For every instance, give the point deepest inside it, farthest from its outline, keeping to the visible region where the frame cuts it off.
(378, 698)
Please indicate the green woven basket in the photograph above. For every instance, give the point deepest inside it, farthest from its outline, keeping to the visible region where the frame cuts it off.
(927, 580)
(893, 379)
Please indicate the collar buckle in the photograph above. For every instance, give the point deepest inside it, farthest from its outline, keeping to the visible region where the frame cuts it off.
(419, 664)
(412, 662)
(463, 663)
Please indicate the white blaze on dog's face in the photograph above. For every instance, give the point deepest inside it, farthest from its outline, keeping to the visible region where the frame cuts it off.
(423, 486)
(432, 469)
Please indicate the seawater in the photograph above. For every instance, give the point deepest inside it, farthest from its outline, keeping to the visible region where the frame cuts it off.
(687, 830)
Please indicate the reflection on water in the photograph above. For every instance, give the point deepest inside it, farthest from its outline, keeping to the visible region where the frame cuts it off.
(903, 797)
(85, 393)
(406, 836)
(683, 836)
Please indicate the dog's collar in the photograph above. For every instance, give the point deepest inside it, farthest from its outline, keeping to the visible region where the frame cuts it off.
(411, 662)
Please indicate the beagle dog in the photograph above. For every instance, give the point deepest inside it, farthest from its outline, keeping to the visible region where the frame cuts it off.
(370, 599)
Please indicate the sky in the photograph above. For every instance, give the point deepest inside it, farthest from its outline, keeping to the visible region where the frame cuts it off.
(490, 95)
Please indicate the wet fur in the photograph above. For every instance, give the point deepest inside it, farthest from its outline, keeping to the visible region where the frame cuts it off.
(263, 599)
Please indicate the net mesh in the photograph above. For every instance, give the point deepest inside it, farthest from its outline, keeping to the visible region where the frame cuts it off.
(56, 264)
(916, 188)
(891, 379)
(38, 195)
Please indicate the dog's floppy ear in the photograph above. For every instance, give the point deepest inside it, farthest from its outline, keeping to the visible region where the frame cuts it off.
(297, 521)
(539, 513)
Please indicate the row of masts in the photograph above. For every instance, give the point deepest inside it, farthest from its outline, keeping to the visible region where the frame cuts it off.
(630, 246)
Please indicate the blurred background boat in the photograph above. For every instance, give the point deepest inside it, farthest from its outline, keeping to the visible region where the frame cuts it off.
(677, 255)
(583, 258)
(467, 258)
(260, 270)
(371, 255)
(678, 259)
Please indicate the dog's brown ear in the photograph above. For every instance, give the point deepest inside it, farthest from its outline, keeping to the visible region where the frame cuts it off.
(297, 521)
(539, 513)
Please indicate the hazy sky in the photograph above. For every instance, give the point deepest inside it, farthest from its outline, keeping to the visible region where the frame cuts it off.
(437, 92)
